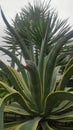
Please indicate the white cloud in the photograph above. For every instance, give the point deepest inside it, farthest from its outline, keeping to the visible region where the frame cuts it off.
(64, 7)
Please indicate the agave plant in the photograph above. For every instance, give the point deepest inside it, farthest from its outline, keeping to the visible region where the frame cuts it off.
(37, 101)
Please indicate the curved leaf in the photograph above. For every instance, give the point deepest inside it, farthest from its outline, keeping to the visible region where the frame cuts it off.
(17, 96)
(16, 60)
(12, 125)
(18, 83)
(54, 99)
(45, 126)
(65, 105)
(15, 79)
(65, 78)
(63, 117)
(51, 61)
(16, 109)
(29, 125)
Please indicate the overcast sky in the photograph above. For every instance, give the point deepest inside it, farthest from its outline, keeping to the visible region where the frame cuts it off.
(11, 7)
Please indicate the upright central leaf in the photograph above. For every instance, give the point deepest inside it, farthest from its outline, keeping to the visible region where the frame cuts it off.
(43, 49)
(35, 82)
